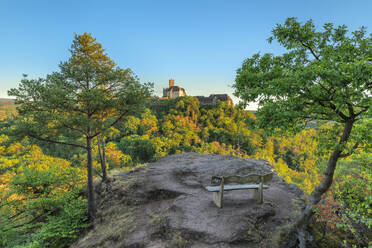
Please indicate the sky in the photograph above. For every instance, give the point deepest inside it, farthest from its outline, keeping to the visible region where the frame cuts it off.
(199, 43)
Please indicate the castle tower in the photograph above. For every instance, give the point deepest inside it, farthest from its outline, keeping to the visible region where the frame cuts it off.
(173, 91)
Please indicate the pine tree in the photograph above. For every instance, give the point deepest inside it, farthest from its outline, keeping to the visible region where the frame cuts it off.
(71, 102)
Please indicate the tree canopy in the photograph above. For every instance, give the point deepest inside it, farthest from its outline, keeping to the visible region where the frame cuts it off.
(324, 75)
(88, 95)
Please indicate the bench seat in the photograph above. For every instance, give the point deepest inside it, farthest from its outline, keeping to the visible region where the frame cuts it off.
(235, 182)
(235, 187)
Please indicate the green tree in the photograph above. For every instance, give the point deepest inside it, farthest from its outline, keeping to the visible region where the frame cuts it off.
(325, 75)
(70, 102)
(41, 203)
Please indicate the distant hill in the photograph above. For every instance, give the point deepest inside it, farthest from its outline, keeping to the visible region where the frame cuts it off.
(6, 100)
(7, 108)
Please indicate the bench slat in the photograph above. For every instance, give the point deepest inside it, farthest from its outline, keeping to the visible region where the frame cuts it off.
(235, 187)
(247, 179)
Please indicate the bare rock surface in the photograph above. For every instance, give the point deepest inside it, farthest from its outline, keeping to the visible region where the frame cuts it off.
(165, 205)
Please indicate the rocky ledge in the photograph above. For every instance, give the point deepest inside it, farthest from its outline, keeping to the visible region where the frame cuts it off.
(165, 204)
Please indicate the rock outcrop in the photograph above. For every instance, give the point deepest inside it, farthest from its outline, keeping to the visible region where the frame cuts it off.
(165, 204)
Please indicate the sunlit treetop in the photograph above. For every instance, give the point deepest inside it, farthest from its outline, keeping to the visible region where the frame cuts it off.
(324, 75)
(86, 51)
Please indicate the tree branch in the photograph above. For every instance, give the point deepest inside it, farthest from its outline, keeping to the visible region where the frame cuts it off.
(99, 174)
(344, 155)
(29, 222)
(333, 107)
(17, 214)
(342, 115)
(365, 109)
(74, 128)
(351, 110)
(310, 49)
(112, 124)
(56, 142)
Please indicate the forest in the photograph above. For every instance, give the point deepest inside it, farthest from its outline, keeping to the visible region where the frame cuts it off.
(43, 199)
(66, 130)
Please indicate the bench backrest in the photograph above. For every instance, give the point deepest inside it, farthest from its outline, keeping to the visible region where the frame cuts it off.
(251, 178)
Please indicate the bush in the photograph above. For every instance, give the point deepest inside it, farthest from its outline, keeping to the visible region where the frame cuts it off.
(42, 203)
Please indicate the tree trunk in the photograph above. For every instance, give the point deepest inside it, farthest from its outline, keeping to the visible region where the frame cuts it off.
(303, 221)
(91, 203)
(102, 156)
(99, 152)
(103, 146)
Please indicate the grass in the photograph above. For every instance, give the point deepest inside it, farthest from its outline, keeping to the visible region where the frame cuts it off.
(178, 241)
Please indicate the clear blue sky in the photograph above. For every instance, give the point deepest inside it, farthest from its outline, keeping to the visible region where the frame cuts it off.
(199, 43)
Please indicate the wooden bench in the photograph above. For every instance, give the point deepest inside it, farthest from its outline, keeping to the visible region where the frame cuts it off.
(252, 181)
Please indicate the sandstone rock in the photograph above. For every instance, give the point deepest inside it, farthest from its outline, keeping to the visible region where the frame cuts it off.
(165, 205)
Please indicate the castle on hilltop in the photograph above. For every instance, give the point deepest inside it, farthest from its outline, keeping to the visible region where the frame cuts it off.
(173, 92)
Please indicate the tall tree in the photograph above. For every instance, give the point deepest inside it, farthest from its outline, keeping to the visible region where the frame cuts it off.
(102, 156)
(324, 75)
(70, 102)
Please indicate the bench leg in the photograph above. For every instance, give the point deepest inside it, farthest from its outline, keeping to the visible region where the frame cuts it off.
(258, 195)
(260, 200)
(217, 198)
(260, 191)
